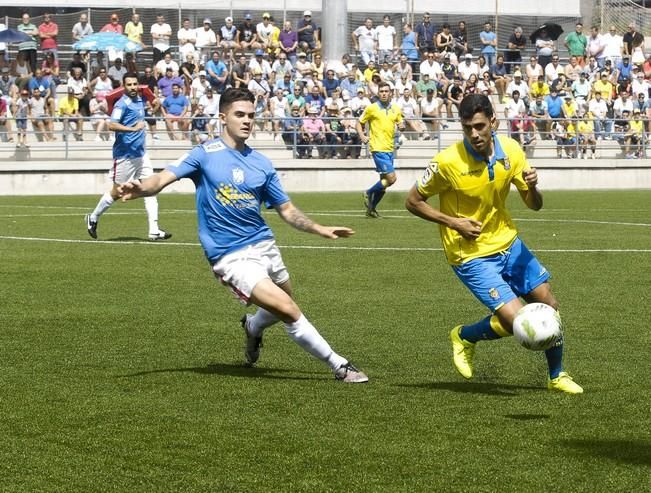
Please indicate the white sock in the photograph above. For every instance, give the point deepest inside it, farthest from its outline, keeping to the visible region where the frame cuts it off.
(151, 206)
(104, 203)
(260, 320)
(303, 333)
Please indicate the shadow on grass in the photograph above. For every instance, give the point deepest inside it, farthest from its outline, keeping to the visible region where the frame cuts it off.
(127, 238)
(527, 417)
(636, 452)
(234, 370)
(487, 388)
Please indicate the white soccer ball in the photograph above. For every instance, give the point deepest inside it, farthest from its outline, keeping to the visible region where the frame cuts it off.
(537, 326)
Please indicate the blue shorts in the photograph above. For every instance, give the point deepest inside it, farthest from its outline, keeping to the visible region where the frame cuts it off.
(500, 278)
(383, 162)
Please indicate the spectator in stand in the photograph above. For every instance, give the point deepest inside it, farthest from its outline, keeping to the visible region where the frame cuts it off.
(134, 31)
(596, 46)
(577, 44)
(38, 114)
(554, 104)
(533, 70)
(50, 69)
(470, 86)
(586, 135)
(386, 40)
(21, 70)
(200, 131)
(402, 68)
(82, 28)
(285, 84)
(48, 32)
(445, 41)
(148, 79)
(41, 82)
(431, 113)
(545, 47)
(499, 76)
(539, 113)
(628, 39)
(409, 48)
(187, 38)
(206, 40)
(486, 86)
(554, 70)
(639, 85)
(386, 73)
(5, 122)
(488, 42)
(581, 89)
(210, 103)
(614, 46)
(461, 47)
(351, 84)
(468, 67)
(621, 104)
(335, 98)
(81, 91)
(281, 67)
(342, 67)
(258, 85)
(634, 140)
(241, 74)
(3, 48)
(517, 84)
(28, 48)
(279, 108)
(572, 70)
(246, 35)
(176, 108)
(513, 53)
(116, 72)
(482, 67)
(318, 66)
(424, 84)
(217, 73)
(292, 130)
(365, 41)
(539, 88)
(68, 110)
(605, 87)
(198, 88)
(402, 84)
(263, 31)
(99, 117)
(448, 71)
(163, 64)
(411, 115)
(161, 33)
(21, 114)
(316, 100)
(288, 40)
(114, 26)
(189, 71)
(569, 107)
(430, 67)
(313, 131)
(228, 37)
(369, 72)
(599, 111)
(297, 97)
(307, 34)
(359, 102)
(165, 84)
(303, 67)
(425, 32)
(624, 69)
(333, 133)
(101, 84)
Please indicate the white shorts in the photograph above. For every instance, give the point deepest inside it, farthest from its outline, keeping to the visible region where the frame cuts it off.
(242, 269)
(126, 169)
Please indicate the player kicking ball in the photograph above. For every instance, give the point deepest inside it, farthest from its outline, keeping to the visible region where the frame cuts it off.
(232, 183)
(472, 179)
(130, 159)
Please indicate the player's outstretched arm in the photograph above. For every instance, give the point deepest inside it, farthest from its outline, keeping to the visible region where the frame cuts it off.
(147, 187)
(293, 216)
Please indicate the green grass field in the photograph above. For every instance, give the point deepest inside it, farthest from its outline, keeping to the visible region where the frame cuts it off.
(121, 359)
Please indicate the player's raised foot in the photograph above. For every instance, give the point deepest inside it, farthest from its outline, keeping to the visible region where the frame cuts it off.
(564, 383)
(91, 226)
(160, 236)
(252, 344)
(349, 374)
(462, 352)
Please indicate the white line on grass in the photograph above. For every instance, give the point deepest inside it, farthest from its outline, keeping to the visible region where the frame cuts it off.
(316, 247)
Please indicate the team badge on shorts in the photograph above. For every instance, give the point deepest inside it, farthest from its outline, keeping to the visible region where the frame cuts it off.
(494, 293)
(238, 176)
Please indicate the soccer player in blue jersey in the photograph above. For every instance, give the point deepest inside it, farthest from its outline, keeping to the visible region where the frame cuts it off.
(472, 179)
(232, 183)
(130, 159)
(382, 118)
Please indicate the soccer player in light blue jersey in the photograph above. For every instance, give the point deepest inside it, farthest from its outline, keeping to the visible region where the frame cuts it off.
(232, 183)
(130, 159)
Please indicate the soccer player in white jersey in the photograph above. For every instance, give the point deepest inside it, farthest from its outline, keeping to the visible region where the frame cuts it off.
(232, 183)
(130, 160)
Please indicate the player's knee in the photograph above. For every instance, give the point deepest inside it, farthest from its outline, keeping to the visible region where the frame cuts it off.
(388, 180)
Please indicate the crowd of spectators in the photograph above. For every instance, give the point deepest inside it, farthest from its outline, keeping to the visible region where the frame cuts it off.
(599, 91)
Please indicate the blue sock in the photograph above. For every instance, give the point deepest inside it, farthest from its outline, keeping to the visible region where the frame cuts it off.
(481, 330)
(555, 359)
(376, 198)
(375, 194)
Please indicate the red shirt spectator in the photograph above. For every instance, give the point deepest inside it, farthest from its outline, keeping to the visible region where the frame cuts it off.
(48, 32)
(114, 26)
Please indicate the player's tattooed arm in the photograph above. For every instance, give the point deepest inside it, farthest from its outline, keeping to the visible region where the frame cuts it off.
(297, 219)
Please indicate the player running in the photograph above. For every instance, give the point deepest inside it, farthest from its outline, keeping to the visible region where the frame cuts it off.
(130, 159)
(473, 179)
(382, 117)
(232, 183)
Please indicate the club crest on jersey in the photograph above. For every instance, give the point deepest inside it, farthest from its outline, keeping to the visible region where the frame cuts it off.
(238, 176)
(507, 164)
(493, 293)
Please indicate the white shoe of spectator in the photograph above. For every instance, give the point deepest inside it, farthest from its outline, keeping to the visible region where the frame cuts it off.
(98, 138)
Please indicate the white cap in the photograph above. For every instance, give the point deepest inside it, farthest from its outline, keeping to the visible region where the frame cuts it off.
(229, 19)
(202, 72)
(307, 12)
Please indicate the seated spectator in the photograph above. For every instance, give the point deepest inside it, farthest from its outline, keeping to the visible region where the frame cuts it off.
(359, 102)
(539, 88)
(335, 99)
(289, 42)
(386, 73)
(308, 33)
(639, 85)
(330, 83)
(634, 137)
(624, 69)
(21, 113)
(39, 114)
(533, 70)
(241, 72)
(522, 130)
(99, 117)
(518, 84)
(411, 114)
(313, 131)
(292, 133)
(258, 84)
(623, 102)
(454, 96)
(315, 99)
(303, 67)
(116, 72)
(50, 69)
(38, 80)
(333, 133)
(199, 87)
(585, 131)
(424, 84)
(264, 31)
(210, 103)
(148, 79)
(81, 90)
(206, 40)
(176, 109)
(217, 73)
(21, 70)
(297, 95)
(189, 71)
(76, 62)
(470, 87)
(581, 88)
(515, 107)
(554, 70)
(499, 75)
(246, 35)
(101, 84)
(468, 67)
(286, 84)
(402, 84)
(96, 63)
(342, 68)
(5, 123)
(482, 66)
(351, 141)
(262, 112)
(569, 107)
(572, 70)
(599, 110)
(200, 132)
(68, 109)
(228, 37)
(402, 68)
(539, 113)
(162, 65)
(152, 109)
(165, 84)
(486, 86)
(260, 63)
(278, 105)
(351, 84)
(563, 133)
(281, 67)
(430, 110)
(318, 67)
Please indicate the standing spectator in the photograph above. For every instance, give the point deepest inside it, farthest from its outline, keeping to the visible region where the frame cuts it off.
(134, 30)
(365, 41)
(614, 46)
(576, 44)
(3, 48)
(5, 122)
(113, 26)
(461, 40)
(217, 73)
(161, 33)
(545, 47)
(48, 32)
(408, 47)
(228, 37)
(386, 40)
(307, 33)
(187, 38)
(513, 54)
(246, 35)
(289, 41)
(425, 32)
(628, 39)
(175, 109)
(488, 41)
(28, 48)
(263, 31)
(116, 72)
(162, 65)
(82, 28)
(206, 40)
(596, 46)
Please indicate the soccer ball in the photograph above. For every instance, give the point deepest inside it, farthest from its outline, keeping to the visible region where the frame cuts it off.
(537, 326)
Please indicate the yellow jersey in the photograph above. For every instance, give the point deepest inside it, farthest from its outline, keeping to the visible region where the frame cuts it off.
(382, 125)
(470, 186)
(68, 106)
(538, 89)
(637, 126)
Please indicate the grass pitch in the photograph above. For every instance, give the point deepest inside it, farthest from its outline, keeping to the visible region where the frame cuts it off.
(121, 359)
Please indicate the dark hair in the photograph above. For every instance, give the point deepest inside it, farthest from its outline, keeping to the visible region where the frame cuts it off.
(233, 94)
(129, 75)
(475, 103)
(383, 84)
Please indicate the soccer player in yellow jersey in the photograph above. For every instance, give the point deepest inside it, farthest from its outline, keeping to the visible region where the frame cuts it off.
(472, 179)
(382, 118)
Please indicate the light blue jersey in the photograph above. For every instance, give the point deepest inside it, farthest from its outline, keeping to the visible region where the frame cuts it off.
(128, 112)
(231, 188)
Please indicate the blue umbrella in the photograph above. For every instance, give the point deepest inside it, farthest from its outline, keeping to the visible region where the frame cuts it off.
(13, 36)
(105, 42)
